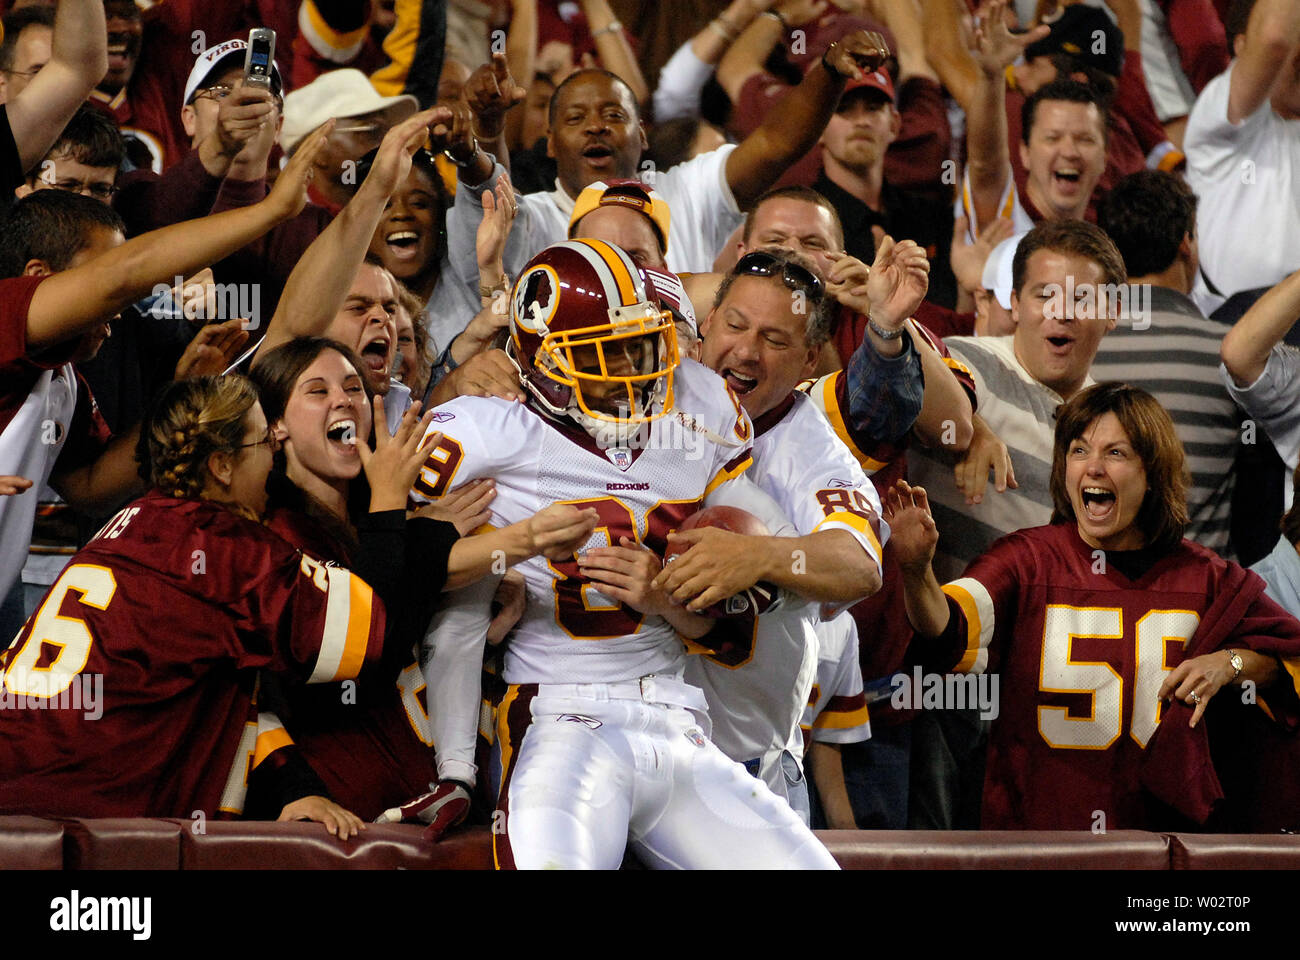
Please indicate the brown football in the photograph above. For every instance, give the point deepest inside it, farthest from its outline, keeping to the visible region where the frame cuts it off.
(749, 602)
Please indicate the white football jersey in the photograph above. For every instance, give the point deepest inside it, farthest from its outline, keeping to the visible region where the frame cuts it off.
(643, 489)
(756, 704)
(837, 707)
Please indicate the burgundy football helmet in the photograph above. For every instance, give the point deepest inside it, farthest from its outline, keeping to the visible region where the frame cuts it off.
(589, 338)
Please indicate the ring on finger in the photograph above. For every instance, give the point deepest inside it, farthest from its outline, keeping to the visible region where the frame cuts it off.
(1195, 697)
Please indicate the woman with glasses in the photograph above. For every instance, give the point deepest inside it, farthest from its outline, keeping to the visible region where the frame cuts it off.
(1110, 635)
(133, 690)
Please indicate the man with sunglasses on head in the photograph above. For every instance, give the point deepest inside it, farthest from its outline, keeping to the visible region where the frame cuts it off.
(763, 336)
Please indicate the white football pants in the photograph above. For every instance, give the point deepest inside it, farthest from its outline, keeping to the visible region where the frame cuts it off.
(590, 768)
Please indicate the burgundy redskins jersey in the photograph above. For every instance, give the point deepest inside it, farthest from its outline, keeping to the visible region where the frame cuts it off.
(367, 740)
(1081, 651)
(131, 691)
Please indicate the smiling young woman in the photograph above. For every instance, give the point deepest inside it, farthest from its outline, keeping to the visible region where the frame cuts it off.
(1101, 625)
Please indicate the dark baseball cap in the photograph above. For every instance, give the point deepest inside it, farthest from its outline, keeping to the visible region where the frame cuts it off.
(1085, 33)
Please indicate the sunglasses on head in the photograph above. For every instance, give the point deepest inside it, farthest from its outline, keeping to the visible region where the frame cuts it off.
(759, 264)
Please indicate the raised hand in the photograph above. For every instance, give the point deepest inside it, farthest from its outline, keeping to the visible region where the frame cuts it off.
(967, 258)
(490, 93)
(241, 116)
(800, 12)
(846, 281)
(499, 209)
(289, 194)
(992, 44)
(899, 280)
(395, 462)
(212, 351)
(393, 159)
(860, 53)
(913, 536)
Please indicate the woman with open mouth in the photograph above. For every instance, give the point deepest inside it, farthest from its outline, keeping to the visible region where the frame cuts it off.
(366, 747)
(1106, 635)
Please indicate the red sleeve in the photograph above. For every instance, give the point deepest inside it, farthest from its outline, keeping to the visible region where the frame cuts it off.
(915, 159)
(1199, 35)
(185, 191)
(1134, 102)
(943, 322)
(959, 369)
(88, 434)
(15, 300)
(757, 96)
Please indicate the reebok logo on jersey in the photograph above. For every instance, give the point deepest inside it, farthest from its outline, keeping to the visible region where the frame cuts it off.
(442, 416)
(627, 486)
(837, 482)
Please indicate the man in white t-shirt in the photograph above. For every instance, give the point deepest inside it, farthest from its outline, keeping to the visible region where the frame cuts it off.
(596, 133)
(1243, 159)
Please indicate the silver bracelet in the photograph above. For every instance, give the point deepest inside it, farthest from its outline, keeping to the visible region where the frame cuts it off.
(612, 27)
(882, 333)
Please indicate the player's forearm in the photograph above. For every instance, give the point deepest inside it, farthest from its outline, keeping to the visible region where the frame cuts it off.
(945, 417)
(1261, 669)
(789, 131)
(71, 302)
(829, 565)
(102, 485)
(1128, 16)
(925, 601)
(320, 282)
(1247, 345)
(826, 763)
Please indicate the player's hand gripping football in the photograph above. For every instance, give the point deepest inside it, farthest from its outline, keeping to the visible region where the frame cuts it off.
(717, 564)
(442, 808)
(395, 462)
(626, 573)
(912, 533)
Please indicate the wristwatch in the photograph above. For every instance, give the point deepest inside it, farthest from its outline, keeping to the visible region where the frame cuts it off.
(1234, 658)
(468, 161)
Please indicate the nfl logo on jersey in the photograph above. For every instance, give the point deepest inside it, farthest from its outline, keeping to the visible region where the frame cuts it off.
(620, 457)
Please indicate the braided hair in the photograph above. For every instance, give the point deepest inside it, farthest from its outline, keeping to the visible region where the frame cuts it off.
(191, 420)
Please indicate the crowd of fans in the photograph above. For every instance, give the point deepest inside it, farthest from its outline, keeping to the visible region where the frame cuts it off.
(1007, 289)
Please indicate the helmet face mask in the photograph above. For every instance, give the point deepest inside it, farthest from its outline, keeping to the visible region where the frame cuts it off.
(589, 340)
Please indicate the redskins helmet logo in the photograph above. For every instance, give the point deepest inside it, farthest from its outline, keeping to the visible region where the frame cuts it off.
(537, 296)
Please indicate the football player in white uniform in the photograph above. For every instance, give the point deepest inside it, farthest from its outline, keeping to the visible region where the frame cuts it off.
(602, 742)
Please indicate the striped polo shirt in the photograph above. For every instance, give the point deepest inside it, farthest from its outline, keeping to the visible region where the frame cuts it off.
(1021, 411)
(1176, 359)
